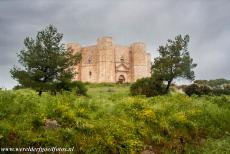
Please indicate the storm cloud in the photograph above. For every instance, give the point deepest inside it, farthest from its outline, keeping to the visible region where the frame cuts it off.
(149, 21)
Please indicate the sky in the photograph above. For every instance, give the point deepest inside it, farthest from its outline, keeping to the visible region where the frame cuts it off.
(153, 22)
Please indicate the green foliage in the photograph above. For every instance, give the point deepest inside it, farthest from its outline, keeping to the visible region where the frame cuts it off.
(77, 86)
(219, 91)
(217, 83)
(204, 89)
(197, 90)
(37, 121)
(174, 61)
(113, 122)
(214, 146)
(219, 86)
(46, 62)
(80, 88)
(148, 87)
(95, 85)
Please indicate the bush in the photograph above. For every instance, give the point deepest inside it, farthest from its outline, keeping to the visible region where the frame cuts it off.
(80, 88)
(219, 91)
(37, 122)
(201, 89)
(77, 86)
(148, 87)
(197, 90)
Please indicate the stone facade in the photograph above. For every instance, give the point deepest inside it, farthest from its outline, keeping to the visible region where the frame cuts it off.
(108, 62)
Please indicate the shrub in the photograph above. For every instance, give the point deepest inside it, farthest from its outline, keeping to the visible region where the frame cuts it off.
(77, 86)
(80, 88)
(201, 89)
(197, 90)
(148, 87)
(219, 91)
(37, 122)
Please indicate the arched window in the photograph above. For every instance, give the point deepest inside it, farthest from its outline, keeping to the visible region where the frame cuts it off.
(90, 73)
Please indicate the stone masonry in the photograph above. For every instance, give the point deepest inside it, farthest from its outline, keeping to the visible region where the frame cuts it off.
(108, 62)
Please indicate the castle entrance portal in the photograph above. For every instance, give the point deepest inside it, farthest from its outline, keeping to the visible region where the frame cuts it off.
(121, 79)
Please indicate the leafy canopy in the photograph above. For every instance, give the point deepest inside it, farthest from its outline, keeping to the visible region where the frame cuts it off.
(174, 61)
(47, 64)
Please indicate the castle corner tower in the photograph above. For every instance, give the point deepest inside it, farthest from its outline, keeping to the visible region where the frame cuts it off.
(106, 65)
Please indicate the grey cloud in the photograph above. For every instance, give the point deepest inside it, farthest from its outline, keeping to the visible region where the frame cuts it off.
(127, 21)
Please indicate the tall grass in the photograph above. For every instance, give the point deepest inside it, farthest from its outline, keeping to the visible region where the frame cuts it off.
(108, 120)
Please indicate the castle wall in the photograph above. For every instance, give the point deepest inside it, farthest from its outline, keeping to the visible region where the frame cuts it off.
(122, 56)
(75, 48)
(122, 51)
(107, 62)
(139, 61)
(149, 64)
(89, 64)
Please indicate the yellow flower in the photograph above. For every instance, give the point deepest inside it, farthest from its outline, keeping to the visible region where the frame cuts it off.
(194, 112)
(81, 110)
(181, 117)
(148, 114)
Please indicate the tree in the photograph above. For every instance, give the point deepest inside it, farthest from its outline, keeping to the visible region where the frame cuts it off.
(46, 62)
(174, 61)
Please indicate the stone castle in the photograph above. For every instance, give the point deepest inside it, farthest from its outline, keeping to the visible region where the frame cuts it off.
(108, 62)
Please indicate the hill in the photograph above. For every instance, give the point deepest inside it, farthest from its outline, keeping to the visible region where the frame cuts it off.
(108, 120)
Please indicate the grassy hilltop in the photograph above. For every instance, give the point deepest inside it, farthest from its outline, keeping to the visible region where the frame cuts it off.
(108, 120)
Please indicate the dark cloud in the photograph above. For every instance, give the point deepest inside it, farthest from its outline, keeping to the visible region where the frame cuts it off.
(127, 21)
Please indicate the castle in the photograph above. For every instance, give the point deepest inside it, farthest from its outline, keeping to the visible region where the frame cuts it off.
(109, 62)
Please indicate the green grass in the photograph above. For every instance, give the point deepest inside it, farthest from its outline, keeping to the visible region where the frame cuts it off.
(108, 120)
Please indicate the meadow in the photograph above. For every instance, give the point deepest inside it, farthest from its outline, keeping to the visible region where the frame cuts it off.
(109, 120)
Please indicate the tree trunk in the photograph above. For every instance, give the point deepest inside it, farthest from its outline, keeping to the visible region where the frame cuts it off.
(168, 85)
(40, 93)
